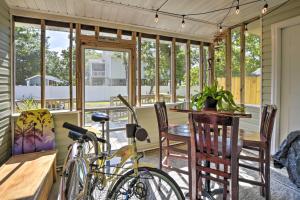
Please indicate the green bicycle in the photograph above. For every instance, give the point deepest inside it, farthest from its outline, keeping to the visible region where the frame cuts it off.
(85, 175)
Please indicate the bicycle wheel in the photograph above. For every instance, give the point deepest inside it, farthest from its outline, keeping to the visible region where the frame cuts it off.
(149, 184)
(75, 180)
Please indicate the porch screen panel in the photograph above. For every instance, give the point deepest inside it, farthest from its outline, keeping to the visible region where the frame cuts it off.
(236, 72)
(27, 66)
(220, 64)
(165, 71)
(195, 70)
(206, 65)
(74, 68)
(57, 87)
(148, 56)
(253, 65)
(180, 72)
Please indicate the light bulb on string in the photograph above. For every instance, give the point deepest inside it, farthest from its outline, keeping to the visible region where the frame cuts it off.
(246, 31)
(182, 22)
(156, 18)
(237, 8)
(265, 9)
(221, 29)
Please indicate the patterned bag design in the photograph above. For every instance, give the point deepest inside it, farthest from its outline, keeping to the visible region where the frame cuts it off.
(34, 131)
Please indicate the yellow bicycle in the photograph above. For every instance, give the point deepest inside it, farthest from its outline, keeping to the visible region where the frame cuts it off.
(85, 174)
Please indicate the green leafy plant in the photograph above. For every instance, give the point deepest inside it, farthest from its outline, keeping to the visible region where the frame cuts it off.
(27, 103)
(223, 97)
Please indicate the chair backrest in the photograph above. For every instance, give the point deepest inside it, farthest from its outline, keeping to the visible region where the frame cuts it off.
(209, 134)
(267, 122)
(162, 116)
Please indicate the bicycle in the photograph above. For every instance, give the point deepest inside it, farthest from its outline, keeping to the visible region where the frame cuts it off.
(84, 175)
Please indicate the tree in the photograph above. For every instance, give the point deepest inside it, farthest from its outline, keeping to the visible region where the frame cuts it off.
(180, 65)
(252, 51)
(27, 48)
(148, 60)
(28, 57)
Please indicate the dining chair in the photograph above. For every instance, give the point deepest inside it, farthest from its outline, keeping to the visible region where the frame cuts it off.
(214, 154)
(261, 143)
(169, 134)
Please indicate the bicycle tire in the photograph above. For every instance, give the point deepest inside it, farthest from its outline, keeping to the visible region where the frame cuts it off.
(161, 175)
(73, 182)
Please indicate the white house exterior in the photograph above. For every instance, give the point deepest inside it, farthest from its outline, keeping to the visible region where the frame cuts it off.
(36, 81)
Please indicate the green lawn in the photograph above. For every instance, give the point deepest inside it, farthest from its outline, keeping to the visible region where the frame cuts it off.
(97, 104)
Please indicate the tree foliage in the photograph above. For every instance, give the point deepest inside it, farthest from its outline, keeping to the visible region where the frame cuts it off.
(252, 51)
(28, 47)
(28, 57)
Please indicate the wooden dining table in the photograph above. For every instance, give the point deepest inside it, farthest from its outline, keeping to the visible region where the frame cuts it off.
(188, 108)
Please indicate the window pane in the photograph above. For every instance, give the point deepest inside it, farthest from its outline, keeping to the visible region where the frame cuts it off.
(180, 72)
(195, 69)
(253, 64)
(236, 72)
(220, 64)
(28, 66)
(165, 71)
(148, 71)
(57, 68)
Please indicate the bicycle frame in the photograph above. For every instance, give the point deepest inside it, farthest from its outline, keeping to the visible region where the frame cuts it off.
(125, 153)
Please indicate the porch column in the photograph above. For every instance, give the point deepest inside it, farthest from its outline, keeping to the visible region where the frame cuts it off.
(212, 64)
(139, 67)
(201, 74)
(157, 69)
(43, 66)
(173, 71)
(188, 68)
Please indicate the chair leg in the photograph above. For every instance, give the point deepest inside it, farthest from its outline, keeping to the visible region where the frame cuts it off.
(190, 170)
(225, 190)
(198, 184)
(168, 153)
(234, 180)
(160, 154)
(262, 171)
(267, 176)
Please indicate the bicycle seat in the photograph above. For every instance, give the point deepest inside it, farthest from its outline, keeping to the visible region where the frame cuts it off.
(100, 117)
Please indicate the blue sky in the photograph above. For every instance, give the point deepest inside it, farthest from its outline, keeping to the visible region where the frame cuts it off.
(58, 40)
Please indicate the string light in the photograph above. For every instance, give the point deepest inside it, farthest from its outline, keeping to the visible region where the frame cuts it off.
(221, 29)
(265, 8)
(237, 12)
(237, 8)
(156, 18)
(182, 22)
(246, 31)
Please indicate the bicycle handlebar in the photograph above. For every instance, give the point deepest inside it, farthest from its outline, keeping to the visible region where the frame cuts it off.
(75, 128)
(129, 107)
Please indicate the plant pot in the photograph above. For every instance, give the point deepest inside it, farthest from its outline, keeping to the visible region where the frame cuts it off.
(210, 104)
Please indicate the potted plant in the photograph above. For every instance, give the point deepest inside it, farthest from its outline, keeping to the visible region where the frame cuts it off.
(212, 98)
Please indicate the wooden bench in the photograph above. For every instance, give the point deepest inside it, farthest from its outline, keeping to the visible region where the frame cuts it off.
(28, 176)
